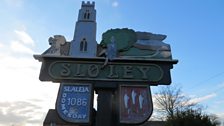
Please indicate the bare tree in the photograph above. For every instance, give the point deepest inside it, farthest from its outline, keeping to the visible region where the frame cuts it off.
(169, 100)
(177, 109)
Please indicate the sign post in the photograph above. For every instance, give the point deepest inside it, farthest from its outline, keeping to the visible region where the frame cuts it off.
(120, 70)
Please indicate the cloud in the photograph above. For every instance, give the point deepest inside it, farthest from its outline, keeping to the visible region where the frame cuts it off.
(24, 100)
(115, 4)
(204, 98)
(24, 37)
(22, 43)
(1, 45)
(18, 47)
(221, 116)
(18, 113)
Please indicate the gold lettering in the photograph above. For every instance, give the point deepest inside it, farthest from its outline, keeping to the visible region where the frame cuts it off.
(112, 74)
(65, 69)
(128, 72)
(93, 70)
(144, 71)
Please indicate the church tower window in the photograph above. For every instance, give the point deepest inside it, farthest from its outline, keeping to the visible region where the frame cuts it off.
(83, 45)
(87, 14)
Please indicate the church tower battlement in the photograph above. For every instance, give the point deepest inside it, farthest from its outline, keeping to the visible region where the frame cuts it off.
(84, 41)
(85, 4)
(88, 12)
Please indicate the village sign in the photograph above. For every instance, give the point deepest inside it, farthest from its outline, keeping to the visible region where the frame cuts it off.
(123, 65)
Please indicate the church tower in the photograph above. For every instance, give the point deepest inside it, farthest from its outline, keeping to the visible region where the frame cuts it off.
(84, 41)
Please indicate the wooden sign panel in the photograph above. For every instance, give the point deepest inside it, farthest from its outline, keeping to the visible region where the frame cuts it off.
(135, 104)
(68, 69)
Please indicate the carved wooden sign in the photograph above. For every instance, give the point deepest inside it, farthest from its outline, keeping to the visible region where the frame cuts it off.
(66, 69)
(123, 58)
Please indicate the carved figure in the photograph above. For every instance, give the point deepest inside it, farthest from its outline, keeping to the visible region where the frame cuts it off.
(133, 96)
(126, 98)
(110, 51)
(140, 99)
(59, 46)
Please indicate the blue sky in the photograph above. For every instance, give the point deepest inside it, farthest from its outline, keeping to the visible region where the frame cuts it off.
(194, 29)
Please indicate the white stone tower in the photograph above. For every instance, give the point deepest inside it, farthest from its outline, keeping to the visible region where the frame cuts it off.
(84, 42)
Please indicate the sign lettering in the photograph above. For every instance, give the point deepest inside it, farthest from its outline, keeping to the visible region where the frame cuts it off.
(112, 72)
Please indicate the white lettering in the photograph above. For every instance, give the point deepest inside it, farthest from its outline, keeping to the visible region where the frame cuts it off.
(78, 116)
(77, 101)
(64, 95)
(76, 89)
(63, 100)
(63, 106)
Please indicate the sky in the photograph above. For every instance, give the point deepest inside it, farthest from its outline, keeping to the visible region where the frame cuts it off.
(194, 29)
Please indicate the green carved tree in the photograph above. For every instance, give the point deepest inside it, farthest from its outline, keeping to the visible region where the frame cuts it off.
(125, 38)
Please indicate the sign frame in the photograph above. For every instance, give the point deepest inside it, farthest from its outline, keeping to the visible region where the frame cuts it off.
(89, 110)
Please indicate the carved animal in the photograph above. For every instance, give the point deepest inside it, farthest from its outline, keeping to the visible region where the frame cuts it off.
(59, 46)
